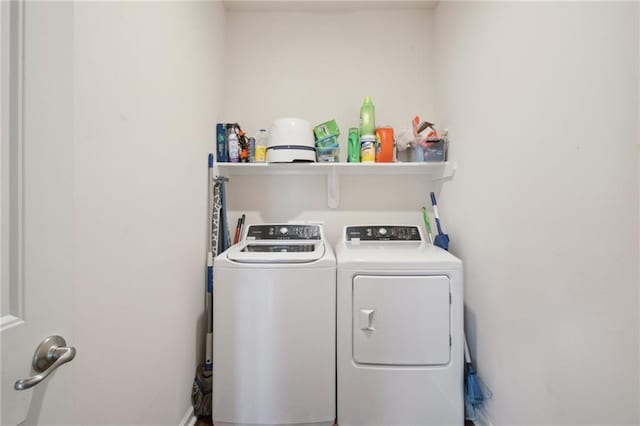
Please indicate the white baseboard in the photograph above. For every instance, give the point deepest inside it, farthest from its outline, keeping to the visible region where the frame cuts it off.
(188, 419)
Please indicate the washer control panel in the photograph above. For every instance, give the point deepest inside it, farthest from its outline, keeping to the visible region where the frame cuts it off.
(382, 233)
(285, 231)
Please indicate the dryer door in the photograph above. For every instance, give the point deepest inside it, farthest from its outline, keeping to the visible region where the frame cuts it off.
(401, 320)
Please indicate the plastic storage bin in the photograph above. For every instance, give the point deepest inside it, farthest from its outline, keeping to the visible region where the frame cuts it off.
(435, 152)
(328, 155)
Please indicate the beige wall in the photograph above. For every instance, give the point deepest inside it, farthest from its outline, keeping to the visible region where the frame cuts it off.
(542, 103)
(320, 62)
(147, 85)
(317, 61)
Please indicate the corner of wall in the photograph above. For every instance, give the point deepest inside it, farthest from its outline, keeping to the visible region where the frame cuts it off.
(638, 183)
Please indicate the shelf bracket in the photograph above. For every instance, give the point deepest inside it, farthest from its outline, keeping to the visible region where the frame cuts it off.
(448, 171)
(333, 191)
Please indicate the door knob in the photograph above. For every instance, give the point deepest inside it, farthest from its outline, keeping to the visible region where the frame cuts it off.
(50, 354)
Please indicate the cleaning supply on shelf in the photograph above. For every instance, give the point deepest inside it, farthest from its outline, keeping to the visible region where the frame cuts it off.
(252, 150)
(384, 151)
(353, 152)
(404, 141)
(326, 129)
(442, 239)
(327, 146)
(368, 149)
(428, 145)
(417, 147)
(419, 153)
(234, 146)
(436, 149)
(328, 155)
(428, 139)
(328, 150)
(243, 143)
(367, 117)
(221, 143)
(261, 146)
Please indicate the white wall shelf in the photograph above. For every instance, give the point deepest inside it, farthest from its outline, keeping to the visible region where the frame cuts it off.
(333, 171)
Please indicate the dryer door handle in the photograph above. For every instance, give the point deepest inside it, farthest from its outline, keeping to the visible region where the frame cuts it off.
(366, 319)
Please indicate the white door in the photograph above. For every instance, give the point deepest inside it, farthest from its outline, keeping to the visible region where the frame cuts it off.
(36, 165)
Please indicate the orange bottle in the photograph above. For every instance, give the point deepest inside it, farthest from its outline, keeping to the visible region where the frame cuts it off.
(384, 153)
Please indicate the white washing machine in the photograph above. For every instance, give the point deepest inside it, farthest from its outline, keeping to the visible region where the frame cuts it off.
(400, 338)
(274, 328)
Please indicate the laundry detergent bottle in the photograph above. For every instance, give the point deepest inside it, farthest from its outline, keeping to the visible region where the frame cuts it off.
(367, 117)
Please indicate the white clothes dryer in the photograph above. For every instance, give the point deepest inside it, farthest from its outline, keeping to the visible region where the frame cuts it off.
(400, 341)
(274, 328)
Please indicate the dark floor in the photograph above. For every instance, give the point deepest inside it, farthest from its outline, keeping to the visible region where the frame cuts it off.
(206, 421)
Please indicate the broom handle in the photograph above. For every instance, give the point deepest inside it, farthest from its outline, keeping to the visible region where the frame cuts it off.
(438, 222)
(209, 292)
(209, 337)
(435, 212)
(208, 351)
(467, 356)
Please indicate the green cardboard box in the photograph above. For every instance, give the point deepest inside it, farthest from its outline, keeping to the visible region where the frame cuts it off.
(325, 130)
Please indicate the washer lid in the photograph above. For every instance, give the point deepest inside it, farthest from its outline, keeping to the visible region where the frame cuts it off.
(283, 251)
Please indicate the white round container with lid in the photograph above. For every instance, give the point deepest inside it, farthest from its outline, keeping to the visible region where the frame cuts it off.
(291, 140)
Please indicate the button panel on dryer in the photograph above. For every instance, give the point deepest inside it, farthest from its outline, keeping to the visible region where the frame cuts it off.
(284, 232)
(383, 233)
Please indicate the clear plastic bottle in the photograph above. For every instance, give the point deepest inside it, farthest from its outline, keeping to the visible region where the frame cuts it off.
(234, 147)
(367, 117)
(261, 146)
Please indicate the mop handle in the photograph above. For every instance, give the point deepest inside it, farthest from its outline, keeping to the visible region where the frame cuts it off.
(209, 292)
(435, 212)
(209, 302)
(467, 356)
(209, 296)
(210, 273)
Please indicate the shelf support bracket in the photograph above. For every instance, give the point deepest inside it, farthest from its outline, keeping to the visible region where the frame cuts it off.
(333, 192)
(448, 172)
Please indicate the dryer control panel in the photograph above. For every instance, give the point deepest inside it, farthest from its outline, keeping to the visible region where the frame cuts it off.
(382, 233)
(285, 231)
